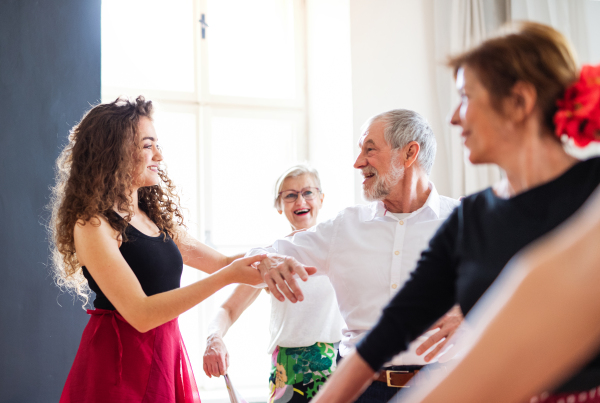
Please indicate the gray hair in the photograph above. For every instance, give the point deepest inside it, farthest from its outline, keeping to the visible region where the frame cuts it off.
(293, 172)
(401, 126)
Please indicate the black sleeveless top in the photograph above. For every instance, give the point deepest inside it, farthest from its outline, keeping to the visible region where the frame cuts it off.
(155, 261)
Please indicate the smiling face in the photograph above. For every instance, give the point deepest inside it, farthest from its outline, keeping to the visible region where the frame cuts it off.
(485, 132)
(376, 163)
(150, 156)
(302, 213)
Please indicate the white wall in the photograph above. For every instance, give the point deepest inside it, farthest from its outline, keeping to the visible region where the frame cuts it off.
(393, 67)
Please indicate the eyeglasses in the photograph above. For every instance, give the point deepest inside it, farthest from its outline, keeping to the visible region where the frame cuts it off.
(290, 196)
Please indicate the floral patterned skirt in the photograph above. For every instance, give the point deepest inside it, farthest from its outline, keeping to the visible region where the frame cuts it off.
(297, 373)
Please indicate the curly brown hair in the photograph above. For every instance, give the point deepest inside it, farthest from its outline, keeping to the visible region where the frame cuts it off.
(94, 173)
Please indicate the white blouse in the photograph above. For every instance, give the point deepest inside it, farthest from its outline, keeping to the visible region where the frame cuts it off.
(316, 319)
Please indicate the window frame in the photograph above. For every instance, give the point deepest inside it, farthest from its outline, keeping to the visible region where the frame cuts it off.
(205, 106)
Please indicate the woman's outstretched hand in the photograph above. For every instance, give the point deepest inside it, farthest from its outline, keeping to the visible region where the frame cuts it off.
(216, 357)
(244, 270)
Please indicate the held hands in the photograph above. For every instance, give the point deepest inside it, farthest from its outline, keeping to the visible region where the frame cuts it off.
(216, 357)
(278, 273)
(447, 325)
(244, 271)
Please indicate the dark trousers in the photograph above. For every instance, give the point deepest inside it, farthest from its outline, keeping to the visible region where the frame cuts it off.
(379, 392)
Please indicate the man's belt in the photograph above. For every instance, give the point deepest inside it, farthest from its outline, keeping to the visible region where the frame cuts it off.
(396, 379)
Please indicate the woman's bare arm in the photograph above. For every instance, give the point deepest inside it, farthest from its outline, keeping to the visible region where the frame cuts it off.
(200, 256)
(216, 357)
(536, 326)
(98, 249)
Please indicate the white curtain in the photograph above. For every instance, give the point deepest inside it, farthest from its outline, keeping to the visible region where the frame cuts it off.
(460, 25)
(567, 16)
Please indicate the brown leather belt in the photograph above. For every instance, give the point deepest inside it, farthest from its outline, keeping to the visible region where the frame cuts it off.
(396, 379)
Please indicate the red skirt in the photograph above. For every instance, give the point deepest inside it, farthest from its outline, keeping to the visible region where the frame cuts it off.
(116, 363)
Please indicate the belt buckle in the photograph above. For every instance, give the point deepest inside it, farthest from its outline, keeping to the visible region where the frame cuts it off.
(389, 378)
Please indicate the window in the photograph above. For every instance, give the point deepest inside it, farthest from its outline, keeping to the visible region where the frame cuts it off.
(231, 116)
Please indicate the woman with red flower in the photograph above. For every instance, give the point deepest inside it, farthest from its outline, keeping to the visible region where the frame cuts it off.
(578, 116)
(510, 86)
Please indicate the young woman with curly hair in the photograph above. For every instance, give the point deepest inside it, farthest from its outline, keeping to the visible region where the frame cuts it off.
(117, 227)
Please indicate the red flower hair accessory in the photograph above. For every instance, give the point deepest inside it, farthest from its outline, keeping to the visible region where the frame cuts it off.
(578, 114)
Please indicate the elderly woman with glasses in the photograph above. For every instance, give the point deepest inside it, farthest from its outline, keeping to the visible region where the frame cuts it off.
(304, 337)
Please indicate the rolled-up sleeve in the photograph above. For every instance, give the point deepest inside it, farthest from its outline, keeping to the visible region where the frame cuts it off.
(425, 297)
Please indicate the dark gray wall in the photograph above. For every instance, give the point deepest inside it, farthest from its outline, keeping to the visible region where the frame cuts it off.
(49, 74)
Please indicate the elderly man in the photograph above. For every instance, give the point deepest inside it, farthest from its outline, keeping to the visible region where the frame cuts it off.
(369, 251)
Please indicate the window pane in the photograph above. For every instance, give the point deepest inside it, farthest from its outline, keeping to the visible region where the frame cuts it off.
(248, 155)
(177, 138)
(251, 48)
(247, 342)
(176, 133)
(148, 44)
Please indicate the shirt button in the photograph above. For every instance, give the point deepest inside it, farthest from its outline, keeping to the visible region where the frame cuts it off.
(401, 222)
(394, 286)
(397, 252)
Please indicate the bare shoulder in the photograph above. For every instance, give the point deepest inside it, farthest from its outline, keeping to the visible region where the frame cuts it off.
(94, 233)
(95, 226)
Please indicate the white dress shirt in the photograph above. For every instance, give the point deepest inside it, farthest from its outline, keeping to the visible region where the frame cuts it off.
(368, 254)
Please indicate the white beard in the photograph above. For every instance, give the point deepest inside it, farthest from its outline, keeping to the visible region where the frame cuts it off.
(383, 185)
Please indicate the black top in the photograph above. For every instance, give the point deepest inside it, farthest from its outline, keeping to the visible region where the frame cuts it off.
(155, 261)
(469, 251)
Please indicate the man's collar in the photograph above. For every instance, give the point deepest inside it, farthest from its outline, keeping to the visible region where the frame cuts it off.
(433, 203)
(377, 210)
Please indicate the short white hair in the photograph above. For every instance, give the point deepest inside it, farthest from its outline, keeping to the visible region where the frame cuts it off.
(293, 172)
(401, 126)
